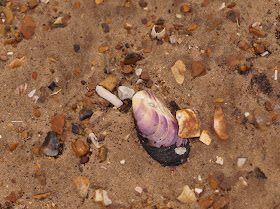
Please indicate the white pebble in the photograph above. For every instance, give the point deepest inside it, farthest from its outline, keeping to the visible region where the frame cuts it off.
(219, 160)
(275, 75)
(31, 94)
(199, 178)
(138, 189)
(94, 140)
(45, 1)
(108, 96)
(265, 53)
(241, 161)
(179, 16)
(198, 190)
(125, 92)
(0, 136)
(122, 162)
(246, 114)
(180, 150)
(138, 71)
(10, 53)
(222, 6)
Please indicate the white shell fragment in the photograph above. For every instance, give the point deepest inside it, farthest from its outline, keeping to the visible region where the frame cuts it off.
(45, 1)
(31, 94)
(188, 124)
(220, 160)
(180, 150)
(94, 140)
(173, 39)
(125, 92)
(102, 197)
(138, 189)
(156, 35)
(187, 196)
(21, 88)
(178, 71)
(243, 181)
(205, 138)
(198, 190)
(105, 94)
(138, 71)
(122, 162)
(241, 161)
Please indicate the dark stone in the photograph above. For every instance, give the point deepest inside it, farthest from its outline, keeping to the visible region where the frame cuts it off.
(50, 146)
(77, 129)
(259, 174)
(132, 58)
(77, 47)
(174, 107)
(143, 3)
(52, 86)
(144, 21)
(84, 114)
(160, 21)
(105, 27)
(2, 3)
(83, 82)
(84, 160)
(127, 45)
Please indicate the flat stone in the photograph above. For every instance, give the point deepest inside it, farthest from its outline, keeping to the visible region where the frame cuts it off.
(145, 76)
(82, 184)
(50, 146)
(234, 59)
(132, 58)
(80, 148)
(243, 45)
(220, 203)
(213, 182)
(127, 69)
(110, 82)
(103, 49)
(256, 32)
(33, 3)
(28, 26)
(84, 114)
(125, 92)
(197, 68)
(185, 8)
(58, 123)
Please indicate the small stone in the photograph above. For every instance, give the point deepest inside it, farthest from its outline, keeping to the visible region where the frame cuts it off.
(101, 196)
(77, 129)
(144, 21)
(197, 68)
(58, 123)
(213, 182)
(132, 58)
(187, 195)
(33, 3)
(192, 28)
(220, 203)
(234, 59)
(231, 5)
(2, 29)
(260, 48)
(41, 177)
(185, 8)
(13, 146)
(36, 150)
(138, 189)
(105, 27)
(23, 8)
(80, 148)
(87, 102)
(233, 16)
(241, 161)
(84, 114)
(125, 92)
(95, 116)
(52, 86)
(188, 124)
(205, 138)
(76, 47)
(110, 82)
(256, 32)
(34, 75)
(143, 3)
(205, 203)
(50, 146)
(82, 184)
(178, 71)
(145, 76)
(262, 119)
(41, 196)
(17, 62)
(3, 57)
(98, 2)
(243, 68)
(268, 106)
(103, 49)
(219, 160)
(77, 5)
(27, 26)
(273, 116)
(147, 51)
(60, 22)
(84, 160)
(103, 153)
(243, 45)
(37, 113)
(127, 69)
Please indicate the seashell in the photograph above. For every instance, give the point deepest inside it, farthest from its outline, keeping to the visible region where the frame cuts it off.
(188, 124)
(125, 92)
(220, 125)
(178, 71)
(187, 195)
(158, 130)
(156, 35)
(21, 89)
(105, 94)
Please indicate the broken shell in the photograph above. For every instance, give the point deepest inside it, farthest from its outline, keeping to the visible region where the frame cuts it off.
(102, 197)
(17, 62)
(158, 130)
(205, 138)
(105, 94)
(188, 124)
(178, 71)
(156, 35)
(187, 195)
(220, 125)
(21, 89)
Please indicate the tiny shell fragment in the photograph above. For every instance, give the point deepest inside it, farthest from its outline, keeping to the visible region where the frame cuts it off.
(188, 124)
(205, 138)
(41, 196)
(17, 62)
(21, 89)
(220, 123)
(105, 94)
(82, 184)
(179, 70)
(187, 196)
(102, 197)
(156, 35)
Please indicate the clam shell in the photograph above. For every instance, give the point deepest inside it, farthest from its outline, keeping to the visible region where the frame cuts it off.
(158, 129)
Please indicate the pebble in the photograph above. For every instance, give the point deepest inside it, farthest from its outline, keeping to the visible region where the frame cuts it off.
(127, 26)
(8, 14)
(103, 49)
(122, 162)
(110, 82)
(147, 50)
(198, 190)
(205, 138)
(105, 27)
(192, 28)
(57, 123)
(219, 160)
(77, 129)
(213, 182)
(101, 196)
(127, 69)
(260, 48)
(173, 39)
(28, 26)
(145, 76)
(52, 86)
(82, 184)
(220, 123)
(197, 68)
(185, 8)
(34, 75)
(125, 92)
(37, 113)
(234, 59)
(103, 153)
(50, 146)
(262, 119)
(143, 3)
(220, 203)
(13, 146)
(36, 150)
(178, 71)
(188, 124)
(268, 106)
(138, 189)
(132, 58)
(243, 45)
(98, 2)
(84, 160)
(84, 114)
(33, 3)
(107, 95)
(97, 114)
(3, 57)
(138, 71)
(241, 161)
(256, 32)
(80, 148)
(205, 203)
(76, 47)
(187, 195)
(246, 114)
(17, 62)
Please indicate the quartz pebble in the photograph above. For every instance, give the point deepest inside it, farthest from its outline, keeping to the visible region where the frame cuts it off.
(101, 196)
(85, 114)
(50, 146)
(125, 92)
(262, 119)
(180, 150)
(187, 195)
(138, 71)
(219, 160)
(105, 94)
(178, 71)
(80, 148)
(205, 138)
(138, 189)
(173, 39)
(188, 124)
(241, 161)
(82, 184)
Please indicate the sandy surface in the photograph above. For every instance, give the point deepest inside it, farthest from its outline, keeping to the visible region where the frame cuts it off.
(161, 184)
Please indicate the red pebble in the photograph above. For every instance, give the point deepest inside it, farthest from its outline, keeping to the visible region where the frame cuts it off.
(34, 75)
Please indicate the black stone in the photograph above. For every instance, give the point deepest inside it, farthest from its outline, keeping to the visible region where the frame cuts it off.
(77, 129)
(50, 146)
(143, 3)
(84, 160)
(52, 86)
(105, 27)
(76, 47)
(132, 58)
(84, 114)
